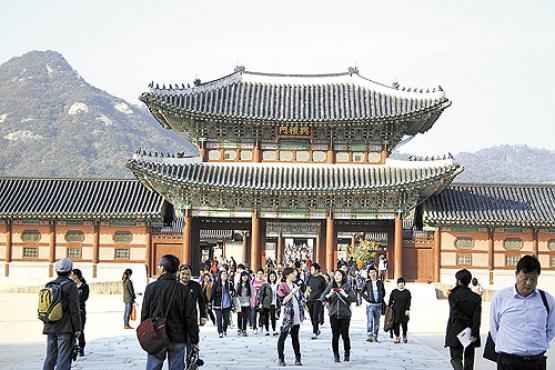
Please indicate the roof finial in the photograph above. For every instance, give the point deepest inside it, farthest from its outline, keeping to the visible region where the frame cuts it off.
(352, 70)
(240, 69)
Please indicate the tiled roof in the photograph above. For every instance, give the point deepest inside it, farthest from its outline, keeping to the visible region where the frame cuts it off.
(258, 96)
(56, 198)
(297, 177)
(492, 204)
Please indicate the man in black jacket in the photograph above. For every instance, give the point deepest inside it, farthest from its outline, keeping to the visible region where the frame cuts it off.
(373, 293)
(62, 333)
(167, 294)
(465, 311)
(316, 289)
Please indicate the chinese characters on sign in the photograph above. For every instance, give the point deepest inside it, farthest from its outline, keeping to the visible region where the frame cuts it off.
(295, 131)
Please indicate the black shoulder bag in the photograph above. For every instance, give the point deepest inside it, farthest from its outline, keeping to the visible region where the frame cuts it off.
(489, 348)
(152, 333)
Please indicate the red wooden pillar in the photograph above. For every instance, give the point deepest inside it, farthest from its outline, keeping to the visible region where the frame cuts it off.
(279, 249)
(491, 258)
(330, 242)
(535, 235)
(148, 247)
(51, 248)
(398, 247)
(8, 253)
(255, 241)
(96, 248)
(186, 251)
(437, 255)
(256, 155)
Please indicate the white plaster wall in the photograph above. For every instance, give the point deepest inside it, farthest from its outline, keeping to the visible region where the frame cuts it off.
(447, 276)
(29, 273)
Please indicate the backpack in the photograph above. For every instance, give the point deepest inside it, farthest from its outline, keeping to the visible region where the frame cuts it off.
(50, 302)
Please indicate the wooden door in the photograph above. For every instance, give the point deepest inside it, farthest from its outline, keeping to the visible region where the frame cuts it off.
(417, 264)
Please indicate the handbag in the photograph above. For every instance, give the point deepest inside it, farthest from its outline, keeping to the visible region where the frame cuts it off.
(152, 333)
(133, 315)
(388, 319)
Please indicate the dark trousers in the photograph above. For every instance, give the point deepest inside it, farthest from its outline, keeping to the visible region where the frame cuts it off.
(243, 318)
(340, 328)
(402, 324)
(457, 357)
(82, 336)
(58, 352)
(253, 316)
(267, 315)
(294, 332)
(211, 315)
(507, 362)
(315, 309)
(222, 319)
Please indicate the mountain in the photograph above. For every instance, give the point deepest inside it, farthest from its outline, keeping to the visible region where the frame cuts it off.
(54, 123)
(507, 163)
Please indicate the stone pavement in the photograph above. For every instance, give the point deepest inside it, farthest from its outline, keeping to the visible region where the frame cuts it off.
(254, 352)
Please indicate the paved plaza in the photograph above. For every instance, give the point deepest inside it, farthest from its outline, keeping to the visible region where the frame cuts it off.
(110, 347)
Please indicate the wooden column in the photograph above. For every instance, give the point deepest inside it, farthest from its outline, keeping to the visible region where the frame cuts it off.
(535, 235)
(317, 249)
(437, 255)
(148, 247)
(256, 154)
(353, 243)
(8, 255)
(398, 247)
(330, 242)
(51, 248)
(194, 246)
(330, 156)
(202, 152)
(255, 241)
(279, 249)
(186, 251)
(491, 258)
(96, 248)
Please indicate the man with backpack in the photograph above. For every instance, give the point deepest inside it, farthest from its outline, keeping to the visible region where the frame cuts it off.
(59, 310)
(167, 299)
(522, 322)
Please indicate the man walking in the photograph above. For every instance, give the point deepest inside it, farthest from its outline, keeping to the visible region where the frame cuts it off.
(316, 291)
(62, 333)
(522, 322)
(167, 295)
(374, 294)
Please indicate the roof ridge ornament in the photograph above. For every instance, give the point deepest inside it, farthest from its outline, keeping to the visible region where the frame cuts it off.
(353, 70)
(239, 68)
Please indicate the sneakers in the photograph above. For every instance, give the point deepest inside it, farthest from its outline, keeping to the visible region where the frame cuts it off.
(298, 362)
(319, 332)
(221, 335)
(347, 357)
(281, 363)
(225, 333)
(405, 340)
(314, 336)
(275, 333)
(376, 340)
(245, 333)
(370, 338)
(267, 333)
(239, 331)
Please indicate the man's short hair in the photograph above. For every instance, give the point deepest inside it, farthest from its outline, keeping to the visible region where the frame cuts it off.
(464, 276)
(371, 268)
(528, 264)
(316, 266)
(185, 268)
(297, 264)
(170, 263)
(241, 266)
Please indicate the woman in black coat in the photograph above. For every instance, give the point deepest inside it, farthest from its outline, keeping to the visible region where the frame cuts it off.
(465, 309)
(400, 300)
(83, 289)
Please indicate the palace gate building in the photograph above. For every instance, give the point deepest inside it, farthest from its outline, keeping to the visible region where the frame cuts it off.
(286, 165)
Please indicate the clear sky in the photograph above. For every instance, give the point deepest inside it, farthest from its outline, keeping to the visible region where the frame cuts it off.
(494, 59)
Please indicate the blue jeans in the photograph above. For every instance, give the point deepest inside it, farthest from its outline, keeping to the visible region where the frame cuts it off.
(58, 352)
(176, 358)
(127, 313)
(373, 313)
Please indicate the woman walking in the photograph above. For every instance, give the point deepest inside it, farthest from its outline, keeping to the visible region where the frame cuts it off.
(267, 302)
(293, 315)
(221, 299)
(207, 286)
(465, 309)
(128, 297)
(83, 288)
(399, 300)
(340, 297)
(243, 292)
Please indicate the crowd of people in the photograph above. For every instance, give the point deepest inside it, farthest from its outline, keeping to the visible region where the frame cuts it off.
(231, 295)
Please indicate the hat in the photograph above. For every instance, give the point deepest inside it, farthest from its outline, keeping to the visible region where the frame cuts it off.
(64, 265)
